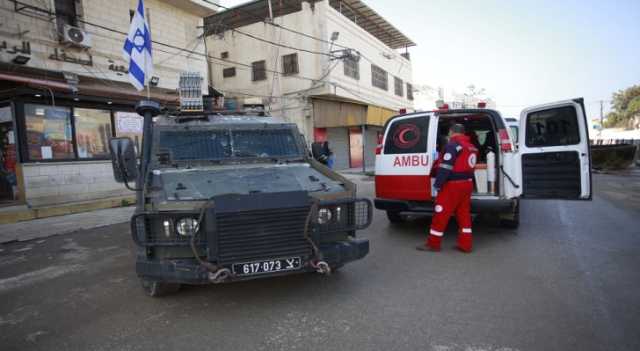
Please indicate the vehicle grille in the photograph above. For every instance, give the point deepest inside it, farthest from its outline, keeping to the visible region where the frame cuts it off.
(263, 234)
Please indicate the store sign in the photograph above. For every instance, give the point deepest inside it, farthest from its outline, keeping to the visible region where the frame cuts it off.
(128, 122)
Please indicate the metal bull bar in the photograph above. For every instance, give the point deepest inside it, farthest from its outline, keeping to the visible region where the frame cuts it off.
(347, 215)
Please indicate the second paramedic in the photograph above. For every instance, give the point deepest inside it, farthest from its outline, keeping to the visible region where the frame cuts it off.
(454, 183)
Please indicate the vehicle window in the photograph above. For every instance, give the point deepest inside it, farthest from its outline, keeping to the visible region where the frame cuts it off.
(514, 133)
(554, 127)
(264, 143)
(222, 144)
(196, 145)
(407, 136)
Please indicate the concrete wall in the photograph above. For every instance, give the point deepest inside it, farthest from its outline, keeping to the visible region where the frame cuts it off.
(291, 92)
(170, 23)
(338, 139)
(49, 183)
(372, 50)
(371, 142)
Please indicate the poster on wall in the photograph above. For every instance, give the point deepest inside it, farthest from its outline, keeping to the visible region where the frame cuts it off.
(128, 123)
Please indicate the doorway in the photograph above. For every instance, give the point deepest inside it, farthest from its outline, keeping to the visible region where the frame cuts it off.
(8, 158)
(355, 147)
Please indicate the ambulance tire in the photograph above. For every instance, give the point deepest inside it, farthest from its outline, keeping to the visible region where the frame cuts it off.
(156, 288)
(514, 221)
(395, 217)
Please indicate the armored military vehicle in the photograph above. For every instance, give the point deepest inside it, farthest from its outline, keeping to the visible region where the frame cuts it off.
(224, 197)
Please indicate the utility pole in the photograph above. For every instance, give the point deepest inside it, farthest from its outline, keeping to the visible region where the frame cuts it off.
(601, 117)
(270, 11)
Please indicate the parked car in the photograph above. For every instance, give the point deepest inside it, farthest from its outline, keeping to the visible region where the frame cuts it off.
(552, 161)
(514, 129)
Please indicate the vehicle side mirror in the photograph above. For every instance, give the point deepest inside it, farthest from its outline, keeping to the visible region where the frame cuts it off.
(123, 159)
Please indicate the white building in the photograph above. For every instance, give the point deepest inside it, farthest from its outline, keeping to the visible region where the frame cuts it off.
(65, 91)
(310, 77)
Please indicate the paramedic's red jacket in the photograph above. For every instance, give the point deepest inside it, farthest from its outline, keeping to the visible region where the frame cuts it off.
(448, 168)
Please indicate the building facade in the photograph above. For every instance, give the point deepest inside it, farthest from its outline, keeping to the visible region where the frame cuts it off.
(335, 67)
(65, 90)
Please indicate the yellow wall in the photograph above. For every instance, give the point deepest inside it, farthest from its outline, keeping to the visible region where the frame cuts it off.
(378, 116)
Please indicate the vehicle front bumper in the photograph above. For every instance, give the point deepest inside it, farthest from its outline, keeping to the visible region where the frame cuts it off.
(477, 205)
(189, 271)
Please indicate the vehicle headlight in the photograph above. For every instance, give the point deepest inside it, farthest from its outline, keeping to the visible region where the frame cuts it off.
(187, 226)
(324, 216)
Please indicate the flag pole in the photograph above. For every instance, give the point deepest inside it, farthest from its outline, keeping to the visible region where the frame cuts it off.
(148, 92)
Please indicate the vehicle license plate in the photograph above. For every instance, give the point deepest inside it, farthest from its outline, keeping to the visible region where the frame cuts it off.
(267, 266)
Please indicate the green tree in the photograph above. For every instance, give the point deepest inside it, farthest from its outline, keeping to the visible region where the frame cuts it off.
(625, 106)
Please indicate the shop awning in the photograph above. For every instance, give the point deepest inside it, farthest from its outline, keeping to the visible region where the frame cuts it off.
(329, 113)
(88, 88)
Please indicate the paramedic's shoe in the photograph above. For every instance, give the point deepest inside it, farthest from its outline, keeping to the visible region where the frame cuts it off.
(434, 242)
(465, 243)
(423, 247)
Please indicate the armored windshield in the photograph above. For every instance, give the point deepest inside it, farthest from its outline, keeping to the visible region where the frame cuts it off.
(221, 144)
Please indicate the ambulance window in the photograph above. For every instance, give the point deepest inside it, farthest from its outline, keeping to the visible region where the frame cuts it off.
(554, 127)
(407, 136)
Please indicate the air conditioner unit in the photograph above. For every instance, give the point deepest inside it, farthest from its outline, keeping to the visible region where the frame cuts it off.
(76, 36)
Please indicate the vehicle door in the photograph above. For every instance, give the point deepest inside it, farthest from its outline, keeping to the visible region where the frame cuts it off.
(554, 152)
(405, 157)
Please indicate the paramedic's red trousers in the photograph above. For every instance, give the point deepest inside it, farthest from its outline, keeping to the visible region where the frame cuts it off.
(454, 198)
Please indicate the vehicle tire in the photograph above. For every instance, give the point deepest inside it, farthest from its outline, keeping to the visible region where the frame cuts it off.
(156, 288)
(514, 221)
(395, 217)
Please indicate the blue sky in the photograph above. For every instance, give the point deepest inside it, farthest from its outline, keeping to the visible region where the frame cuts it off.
(522, 52)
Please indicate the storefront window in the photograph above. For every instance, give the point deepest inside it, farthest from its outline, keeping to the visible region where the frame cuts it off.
(48, 130)
(93, 130)
(129, 124)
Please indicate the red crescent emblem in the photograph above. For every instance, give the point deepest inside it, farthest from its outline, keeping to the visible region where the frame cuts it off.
(406, 136)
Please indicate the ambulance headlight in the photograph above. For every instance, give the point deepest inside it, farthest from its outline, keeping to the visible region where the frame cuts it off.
(187, 226)
(324, 216)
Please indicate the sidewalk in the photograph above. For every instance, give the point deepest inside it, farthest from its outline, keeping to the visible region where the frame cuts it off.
(45, 227)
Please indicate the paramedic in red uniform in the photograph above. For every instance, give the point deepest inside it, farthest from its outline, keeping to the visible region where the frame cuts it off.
(454, 183)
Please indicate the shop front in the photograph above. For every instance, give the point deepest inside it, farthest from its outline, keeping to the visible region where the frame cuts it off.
(351, 129)
(55, 144)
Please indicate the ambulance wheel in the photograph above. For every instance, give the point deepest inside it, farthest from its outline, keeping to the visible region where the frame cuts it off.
(156, 288)
(395, 217)
(513, 221)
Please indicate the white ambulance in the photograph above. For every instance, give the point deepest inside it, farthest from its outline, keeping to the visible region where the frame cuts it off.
(552, 160)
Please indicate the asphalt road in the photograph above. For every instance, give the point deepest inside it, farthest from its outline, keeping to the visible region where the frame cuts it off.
(568, 279)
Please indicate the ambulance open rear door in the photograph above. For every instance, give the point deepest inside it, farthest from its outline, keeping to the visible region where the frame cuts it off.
(554, 152)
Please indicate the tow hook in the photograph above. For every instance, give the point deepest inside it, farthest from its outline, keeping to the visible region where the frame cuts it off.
(321, 267)
(220, 275)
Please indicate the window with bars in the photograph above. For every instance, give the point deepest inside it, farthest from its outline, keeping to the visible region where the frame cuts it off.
(351, 67)
(379, 78)
(66, 13)
(290, 64)
(398, 86)
(259, 70)
(409, 91)
(229, 72)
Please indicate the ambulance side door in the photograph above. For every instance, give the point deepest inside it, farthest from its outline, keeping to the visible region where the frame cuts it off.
(407, 154)
(554, 152)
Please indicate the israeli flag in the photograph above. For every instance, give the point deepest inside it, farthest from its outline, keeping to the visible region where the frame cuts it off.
(137, 49)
